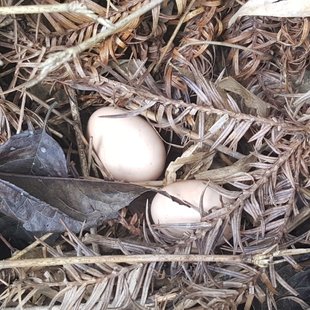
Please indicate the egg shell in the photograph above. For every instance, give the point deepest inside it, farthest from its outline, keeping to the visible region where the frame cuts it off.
(129, 147)
(166, 211)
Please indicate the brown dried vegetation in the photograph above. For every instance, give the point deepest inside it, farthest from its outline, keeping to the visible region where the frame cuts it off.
(230, 98)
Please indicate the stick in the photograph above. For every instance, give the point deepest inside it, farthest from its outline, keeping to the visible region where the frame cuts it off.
(74, 7)
(129, 259)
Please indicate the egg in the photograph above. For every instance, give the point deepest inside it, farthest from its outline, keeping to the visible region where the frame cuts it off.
(166, 211)
(129, 147)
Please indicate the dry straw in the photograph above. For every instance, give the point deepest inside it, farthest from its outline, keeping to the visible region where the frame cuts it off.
(224, 89)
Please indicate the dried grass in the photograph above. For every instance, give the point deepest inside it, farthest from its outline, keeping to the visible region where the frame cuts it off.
(232, 97)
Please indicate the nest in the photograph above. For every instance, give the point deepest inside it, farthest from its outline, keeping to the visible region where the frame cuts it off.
(231, 104)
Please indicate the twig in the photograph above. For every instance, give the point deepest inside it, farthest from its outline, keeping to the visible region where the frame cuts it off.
(128, 259)
(74, 7)
(218, 43)
(78, 130)
(6, 242)
(30, 247)
(261, 260)
(47, 107)
(143, 94)
(175, 32)
(81, 307)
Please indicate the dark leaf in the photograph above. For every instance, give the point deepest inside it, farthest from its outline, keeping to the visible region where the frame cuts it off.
(34, 153)
(81, 200)
(14, 232)
(36, 215)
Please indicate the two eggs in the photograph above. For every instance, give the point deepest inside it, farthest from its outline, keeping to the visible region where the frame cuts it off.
(131, 150)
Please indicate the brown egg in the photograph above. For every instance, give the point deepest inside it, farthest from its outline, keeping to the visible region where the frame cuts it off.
(129, 147)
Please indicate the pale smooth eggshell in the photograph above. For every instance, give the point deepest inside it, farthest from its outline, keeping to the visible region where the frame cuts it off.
(129, 148)
(166, 211)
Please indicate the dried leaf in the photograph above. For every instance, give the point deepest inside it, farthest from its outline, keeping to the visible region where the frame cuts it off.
(225, 173)
(174, 166)
(250, 100)
(276, 8)
(36, 215)
(81, 200)
(34, 153)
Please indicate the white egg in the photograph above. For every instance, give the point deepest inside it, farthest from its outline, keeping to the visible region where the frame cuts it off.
(166, 211)
(129, 147)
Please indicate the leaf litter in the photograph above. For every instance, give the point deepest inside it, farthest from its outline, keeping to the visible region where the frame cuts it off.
(86, 202)
(227, 92)
(33, 153)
